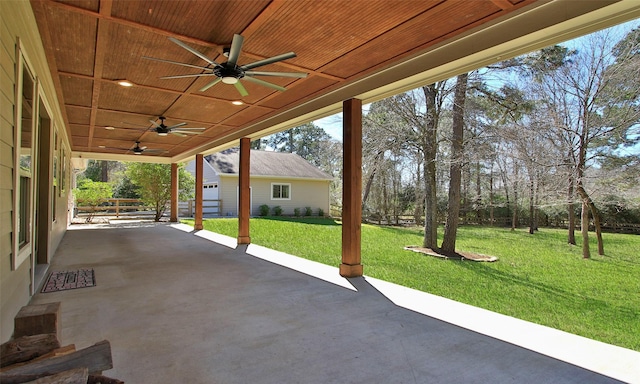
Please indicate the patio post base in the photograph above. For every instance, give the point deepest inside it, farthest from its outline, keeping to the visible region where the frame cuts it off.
(244, 240)
(347, 270)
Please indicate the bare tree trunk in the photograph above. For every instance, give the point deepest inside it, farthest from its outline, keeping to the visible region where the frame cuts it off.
(457, 151)
(430, 150)
(536, 209)
(417, 212)
(385, 199)
(514, 219)
(372, 175)
(586, 199)
(585, 230)
(491, 217)
(104, 177)
(531, 197)
(571, 211)
(291, 140)
(478, 202)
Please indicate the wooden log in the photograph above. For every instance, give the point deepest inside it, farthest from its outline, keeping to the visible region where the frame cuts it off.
(99, 379)
(26, 348)
(73, 376)
(96, 358)
(37, 319)
(67, 349)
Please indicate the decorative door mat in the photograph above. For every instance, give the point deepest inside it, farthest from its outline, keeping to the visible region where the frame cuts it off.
(63, 280)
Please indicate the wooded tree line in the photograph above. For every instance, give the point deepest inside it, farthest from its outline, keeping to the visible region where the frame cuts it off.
(542, 139)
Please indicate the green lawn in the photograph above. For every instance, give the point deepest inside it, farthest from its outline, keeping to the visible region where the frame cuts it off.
(538, 278)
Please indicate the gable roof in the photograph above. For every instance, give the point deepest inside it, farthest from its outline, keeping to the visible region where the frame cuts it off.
(208, 173)
(266, 163)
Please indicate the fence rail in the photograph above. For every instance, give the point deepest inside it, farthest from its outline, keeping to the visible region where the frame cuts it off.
(117, 207)
(209, 207)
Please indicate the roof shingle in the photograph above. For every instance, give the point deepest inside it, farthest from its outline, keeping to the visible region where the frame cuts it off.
(267, 163)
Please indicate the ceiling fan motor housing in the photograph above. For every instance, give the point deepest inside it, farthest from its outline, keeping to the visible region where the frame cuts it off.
(227, 70)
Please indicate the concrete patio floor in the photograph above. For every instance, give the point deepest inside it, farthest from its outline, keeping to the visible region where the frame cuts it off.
(186, 307)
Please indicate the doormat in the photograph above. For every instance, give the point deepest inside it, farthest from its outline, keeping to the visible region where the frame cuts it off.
(63, 280)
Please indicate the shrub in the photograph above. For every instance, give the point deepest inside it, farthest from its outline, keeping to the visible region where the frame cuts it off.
(264, 210)
(92, 193)
(308, 211)
(277, 210)
(320, 212)
(296, 212)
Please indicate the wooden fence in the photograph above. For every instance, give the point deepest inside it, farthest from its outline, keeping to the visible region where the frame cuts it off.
(209, 207)
(116, 207)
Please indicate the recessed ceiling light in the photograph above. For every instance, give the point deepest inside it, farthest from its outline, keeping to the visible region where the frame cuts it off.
(109, 128)
(125, 83)
(237, 102)
(101, 146)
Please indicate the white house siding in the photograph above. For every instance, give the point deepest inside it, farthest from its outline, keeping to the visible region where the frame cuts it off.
(304, 193)
(17, 20)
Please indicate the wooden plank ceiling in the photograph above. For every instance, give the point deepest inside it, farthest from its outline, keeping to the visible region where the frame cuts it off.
(91, 44)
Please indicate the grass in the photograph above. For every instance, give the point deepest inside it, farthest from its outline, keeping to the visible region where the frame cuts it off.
(538, 277)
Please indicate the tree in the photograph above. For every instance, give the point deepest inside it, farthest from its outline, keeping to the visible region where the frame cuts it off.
(305, 140)
(593, 101)
(92, 193)
(455, 175)
(154, 181)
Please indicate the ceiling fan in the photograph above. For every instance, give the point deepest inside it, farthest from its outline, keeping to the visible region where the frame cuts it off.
(163, 130)
(137, 150)
(230, 72)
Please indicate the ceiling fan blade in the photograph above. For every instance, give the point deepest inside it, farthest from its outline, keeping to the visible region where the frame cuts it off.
(177, 125)
(113, 148)
(194, 51)
(178, 134)
(111, 128)
(236, 46)
(241, 89)
(186, 132)
(190, 129)
(175, 62)
(270, 60)
(264, 83)
(211, 84)
(155, 124)
(143, 148)
(299, 75)
(185, 76)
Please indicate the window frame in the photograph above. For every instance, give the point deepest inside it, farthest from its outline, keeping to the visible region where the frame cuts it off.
(22, 251)
(288, 185)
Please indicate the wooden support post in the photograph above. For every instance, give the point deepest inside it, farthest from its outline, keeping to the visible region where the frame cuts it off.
(352, 189)
(174, 193)
(244, 193)
(117, 208)
(199, 182)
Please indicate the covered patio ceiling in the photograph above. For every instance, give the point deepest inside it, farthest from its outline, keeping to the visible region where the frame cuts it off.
(366, 49)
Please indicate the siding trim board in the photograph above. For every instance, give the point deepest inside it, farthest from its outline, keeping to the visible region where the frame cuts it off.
(23, 53)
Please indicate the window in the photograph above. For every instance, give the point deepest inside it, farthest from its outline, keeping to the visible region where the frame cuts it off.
(24, 111)
(280, 191)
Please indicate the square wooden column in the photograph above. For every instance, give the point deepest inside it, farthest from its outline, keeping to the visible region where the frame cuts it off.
(351, 188)
(244, 192)
(199, 182)
(174, 193)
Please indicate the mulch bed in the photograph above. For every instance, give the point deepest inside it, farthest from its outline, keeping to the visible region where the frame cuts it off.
(457, 256)
(64, 280)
